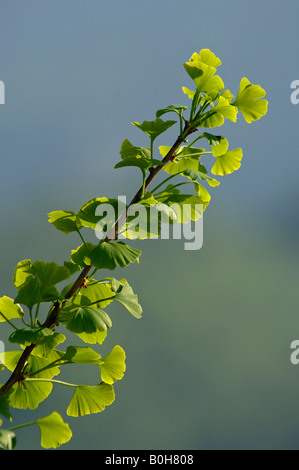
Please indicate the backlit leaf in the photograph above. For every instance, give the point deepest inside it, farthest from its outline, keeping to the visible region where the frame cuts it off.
(65, 221)
(196, 175)
(48, 274)
(81, 252)
(81, 355)
(176, 108)
(47, 344)
(139, 162)
(81, 319)
(113, 365)
(249, 101)
(109, 255)
(128, 299)
(21, 273)
(90, 399)
(219, 144)
(9, 310)
(154, 128)
(227, 163)
(54, 431)
(129, 150)
(93, 211)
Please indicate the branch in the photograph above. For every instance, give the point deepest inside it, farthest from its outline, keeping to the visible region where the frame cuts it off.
(17, 375)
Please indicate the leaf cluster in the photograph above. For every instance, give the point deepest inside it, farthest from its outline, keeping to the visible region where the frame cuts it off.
(48, 298)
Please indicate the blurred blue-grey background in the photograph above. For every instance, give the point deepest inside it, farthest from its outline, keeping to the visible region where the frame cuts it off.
(208, 366)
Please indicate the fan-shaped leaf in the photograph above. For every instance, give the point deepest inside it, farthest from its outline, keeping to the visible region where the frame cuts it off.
(87, 400)
(227, 163)
(109, 255)
(249, 101)
(65, 221)
(54, 431)
(154, 128)
(128, 299)
(81, 355)
(82, 319)
(176, 108)
(9, 309)
(21, 273)
(113, 366)
(48, 274)
(26, 336)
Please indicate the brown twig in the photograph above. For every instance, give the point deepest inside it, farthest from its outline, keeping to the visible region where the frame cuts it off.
(16, 375)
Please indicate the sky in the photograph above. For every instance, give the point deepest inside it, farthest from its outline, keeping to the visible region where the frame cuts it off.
(208, 365)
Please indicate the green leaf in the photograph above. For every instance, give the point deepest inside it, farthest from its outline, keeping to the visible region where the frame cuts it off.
(227, 95)
(189, 93)
(139, 162)
(213, 86)
(7, 439)
(26, 336)
(249, 101)
(142, 221)
(72, 267)
(179, 165)
(186, 158)
(198, 70)
(113, 366)
(201, 68)
(154, 128)
(81, 355)
(128, 299)
(48, 274)
(219, 144)
(50, 294)
(129, 150)
(228, 163)
(10, 359)
(109, 255)
(36, 363)
(29, 394)
(85, 319)
(215, 117)
(209, 58)
(81, 252)
(90, 399)
(65, 221)
(4, 408)
(21, 273)
(47, 344)
(226, 109)
(174, 108)
(195, 175)
(30, 293)
(95, 292)
(88, 213)
(9, 309)
(94, 337)
(54, 431)
(186, 207)
(183, 152)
